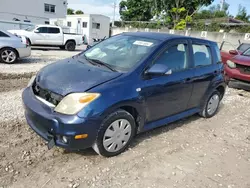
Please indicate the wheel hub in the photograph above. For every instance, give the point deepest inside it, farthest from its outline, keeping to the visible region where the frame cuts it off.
(117, 135)
(213, 104)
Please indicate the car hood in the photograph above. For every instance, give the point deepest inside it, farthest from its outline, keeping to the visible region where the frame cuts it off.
(72, 76)
(242, 60)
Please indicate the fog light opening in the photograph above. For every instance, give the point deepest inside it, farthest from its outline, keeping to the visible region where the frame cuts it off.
(64, 139)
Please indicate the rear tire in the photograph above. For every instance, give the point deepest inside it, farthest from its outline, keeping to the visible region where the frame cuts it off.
(8, 55)
(115, 134)
(212, 105)
(70, 46)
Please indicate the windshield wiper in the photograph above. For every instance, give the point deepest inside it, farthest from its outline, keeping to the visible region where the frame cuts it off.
(99, 62)
(90, 61)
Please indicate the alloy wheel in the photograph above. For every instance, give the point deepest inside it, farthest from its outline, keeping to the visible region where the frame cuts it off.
(8, 56)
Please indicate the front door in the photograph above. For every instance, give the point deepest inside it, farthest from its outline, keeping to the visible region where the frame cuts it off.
(40, 36)
(169, 94)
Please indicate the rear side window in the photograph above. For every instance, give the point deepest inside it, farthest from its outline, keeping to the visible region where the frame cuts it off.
(42, 30)
(53, 30)
(2, 34)
(202, 55)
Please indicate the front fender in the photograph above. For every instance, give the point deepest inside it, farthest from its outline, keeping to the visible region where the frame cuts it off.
(114, 95)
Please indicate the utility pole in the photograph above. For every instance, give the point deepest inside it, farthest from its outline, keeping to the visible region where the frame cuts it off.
(222, 2)
(114, 6)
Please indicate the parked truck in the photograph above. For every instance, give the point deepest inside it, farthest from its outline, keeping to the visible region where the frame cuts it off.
(47, 35)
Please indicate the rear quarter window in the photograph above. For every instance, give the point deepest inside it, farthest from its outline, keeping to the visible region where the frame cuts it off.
(217, 53)
(2, 34)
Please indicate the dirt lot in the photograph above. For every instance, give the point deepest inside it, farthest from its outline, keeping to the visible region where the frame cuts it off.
(194, 152)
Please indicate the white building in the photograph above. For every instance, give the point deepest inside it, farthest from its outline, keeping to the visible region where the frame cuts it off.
(91, 25)
(34, 11)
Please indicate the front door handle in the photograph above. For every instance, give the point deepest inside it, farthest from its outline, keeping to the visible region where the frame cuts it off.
(186, 80)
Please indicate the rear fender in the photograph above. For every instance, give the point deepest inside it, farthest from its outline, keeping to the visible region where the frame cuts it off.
(217, 82)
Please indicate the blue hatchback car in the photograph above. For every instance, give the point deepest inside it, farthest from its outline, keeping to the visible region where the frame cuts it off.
(125, 85)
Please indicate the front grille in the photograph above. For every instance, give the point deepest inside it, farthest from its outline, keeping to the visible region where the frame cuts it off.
(243, 68)
(47, 95)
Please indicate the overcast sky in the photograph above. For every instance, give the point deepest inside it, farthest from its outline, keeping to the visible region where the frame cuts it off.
(105, 6)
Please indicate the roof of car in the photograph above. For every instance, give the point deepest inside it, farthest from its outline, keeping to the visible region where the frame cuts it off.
(161, 36)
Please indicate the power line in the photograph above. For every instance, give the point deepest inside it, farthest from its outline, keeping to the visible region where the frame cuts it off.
(114, 6)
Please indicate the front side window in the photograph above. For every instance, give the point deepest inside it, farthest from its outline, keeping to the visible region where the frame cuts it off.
(49, 8)
(42, 30)
(175, 57)
(202, 55)
(122, 52)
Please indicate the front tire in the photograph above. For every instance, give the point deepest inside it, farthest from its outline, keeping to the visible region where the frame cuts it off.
(70, 46)
(212, 105)
(8, 55)
(115, 134)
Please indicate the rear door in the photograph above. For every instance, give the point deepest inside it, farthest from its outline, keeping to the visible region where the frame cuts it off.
(205, 69)
(55, 37)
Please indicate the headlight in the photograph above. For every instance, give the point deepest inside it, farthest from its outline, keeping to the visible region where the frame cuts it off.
(73, 103)
(231, 64)
(31, 81)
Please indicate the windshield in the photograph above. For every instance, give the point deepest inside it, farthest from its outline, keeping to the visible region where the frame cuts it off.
(121, 52)
(30, 28)
(247, 52)
(243, 47)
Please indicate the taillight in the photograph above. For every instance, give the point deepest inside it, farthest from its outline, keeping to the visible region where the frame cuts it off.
(27, 42)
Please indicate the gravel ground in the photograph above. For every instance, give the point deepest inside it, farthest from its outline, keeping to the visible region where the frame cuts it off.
(38, 59)
(193, 152)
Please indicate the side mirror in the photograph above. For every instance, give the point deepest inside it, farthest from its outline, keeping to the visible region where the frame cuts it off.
(88, 47)
(233, 52)
(159, 69)
(36, 31)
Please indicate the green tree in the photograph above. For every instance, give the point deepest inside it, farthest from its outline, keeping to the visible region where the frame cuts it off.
(213, 12)
(79, 12)
(179, 11)
(70, 11)
(136, 10)
(242, 14)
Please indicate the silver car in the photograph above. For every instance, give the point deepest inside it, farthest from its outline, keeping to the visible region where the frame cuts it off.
(13, 47)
